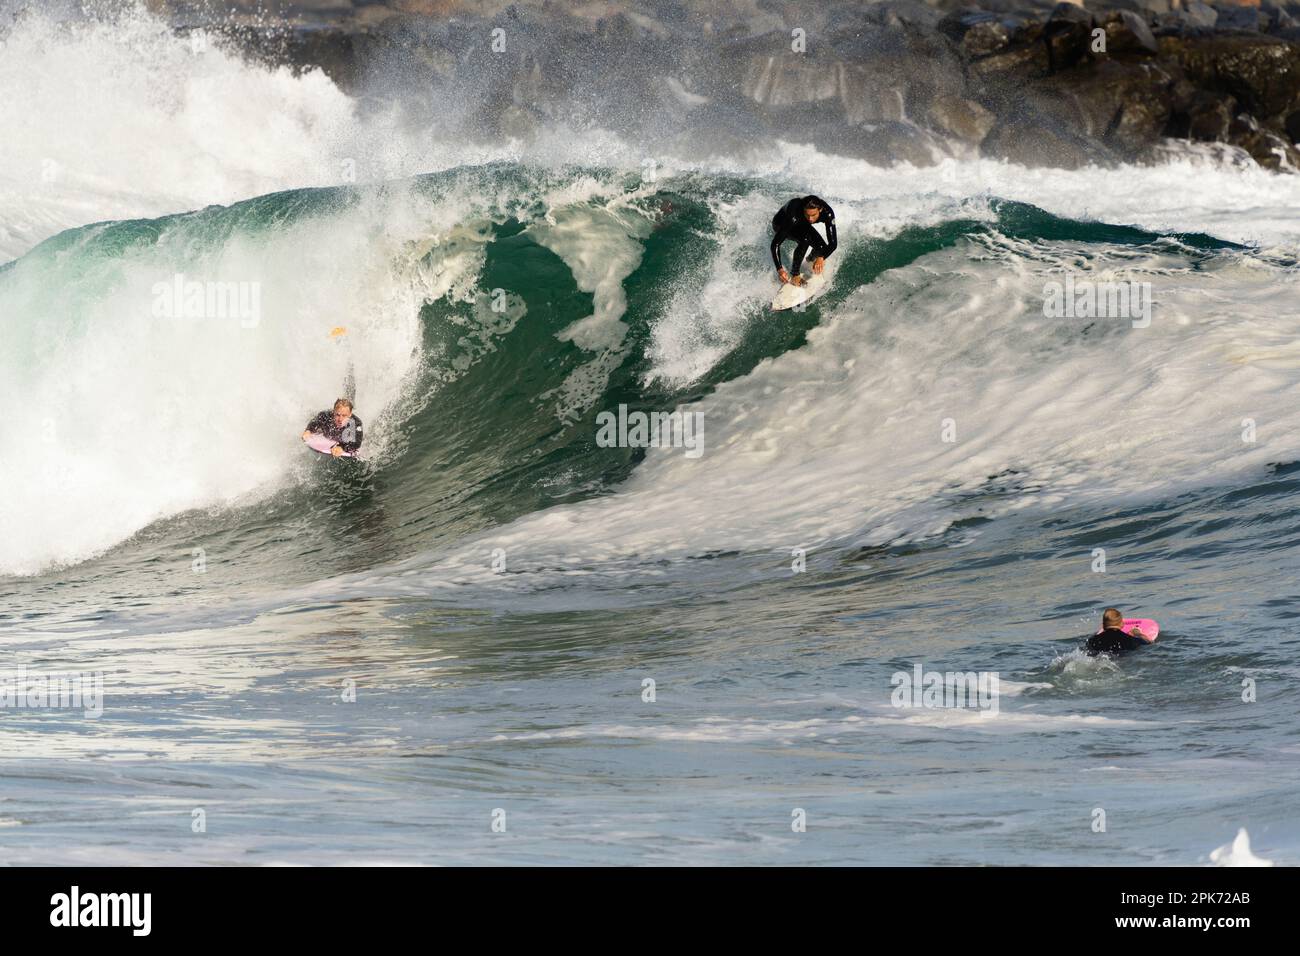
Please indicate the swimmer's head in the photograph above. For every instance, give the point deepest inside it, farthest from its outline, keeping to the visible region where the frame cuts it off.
(1112, 618)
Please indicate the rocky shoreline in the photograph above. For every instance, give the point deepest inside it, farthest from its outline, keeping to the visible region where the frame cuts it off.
(1036, 83)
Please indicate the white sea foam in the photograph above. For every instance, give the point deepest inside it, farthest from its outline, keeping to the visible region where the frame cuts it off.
(1238, 853)
(741, 730)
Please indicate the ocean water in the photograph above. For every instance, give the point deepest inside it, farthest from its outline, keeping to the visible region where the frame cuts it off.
(496, 640)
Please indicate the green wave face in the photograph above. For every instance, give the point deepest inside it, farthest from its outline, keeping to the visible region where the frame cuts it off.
(491, 314)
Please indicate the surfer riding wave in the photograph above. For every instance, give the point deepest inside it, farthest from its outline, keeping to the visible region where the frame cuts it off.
(794, 221)
(340, 426)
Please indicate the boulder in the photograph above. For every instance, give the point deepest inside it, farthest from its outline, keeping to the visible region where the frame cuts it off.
(1194, 16)
(1239, 18)
(986, 37)
(1265, 146)
(1258, 71)
(1200, 14)
(897, 12)
(960, 118)
(1206, 118)
(1067, 36)
(1126, 32)
(1278, 20)
(1034, 140)
(880, 143)
(956, 23)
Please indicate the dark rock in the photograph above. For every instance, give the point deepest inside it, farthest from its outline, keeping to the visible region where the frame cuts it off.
(785, 79)
(984, 38)
(869, 75)
(1259, 71)
(1195, 16)
(1067, 36)
(1004, 67)
(955, 24)
(1071, 13)
(1278, 20)
(1127, 32)
(960, 118)
(1234, 17)
(1035, 8)
(1126, 105)
(958, 25)
(1265, 146)
(896, 80)
(1200, 14)
(1034, 140)
(904, 64)
(898, 12)
(881, 143)
(1206, 118)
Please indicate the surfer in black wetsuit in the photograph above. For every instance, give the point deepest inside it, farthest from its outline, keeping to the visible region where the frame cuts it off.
(1112, 639)
(795, 221)
(340, 425)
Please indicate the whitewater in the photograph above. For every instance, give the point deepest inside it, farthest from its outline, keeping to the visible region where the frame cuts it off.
(356, 664)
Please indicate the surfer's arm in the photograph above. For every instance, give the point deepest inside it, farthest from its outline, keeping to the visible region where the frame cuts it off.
(320, 422)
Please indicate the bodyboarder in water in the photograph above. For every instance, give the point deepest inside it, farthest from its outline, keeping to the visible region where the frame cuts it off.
(339, 425)
(795, 221)
(1111, 639)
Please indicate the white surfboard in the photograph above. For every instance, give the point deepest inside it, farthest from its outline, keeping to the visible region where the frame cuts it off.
(813, 285)
(792, 295)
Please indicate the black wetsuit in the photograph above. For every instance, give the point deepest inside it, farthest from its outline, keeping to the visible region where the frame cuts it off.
(791, 223)
(1113, 641)
(349, 436)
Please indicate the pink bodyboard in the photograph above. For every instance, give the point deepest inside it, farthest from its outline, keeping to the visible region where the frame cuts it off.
(323, 443)
(1150, 629)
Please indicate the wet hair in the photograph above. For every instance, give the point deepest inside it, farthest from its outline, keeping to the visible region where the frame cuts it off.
(812, 202)
(1112, 618)
(344, 402)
